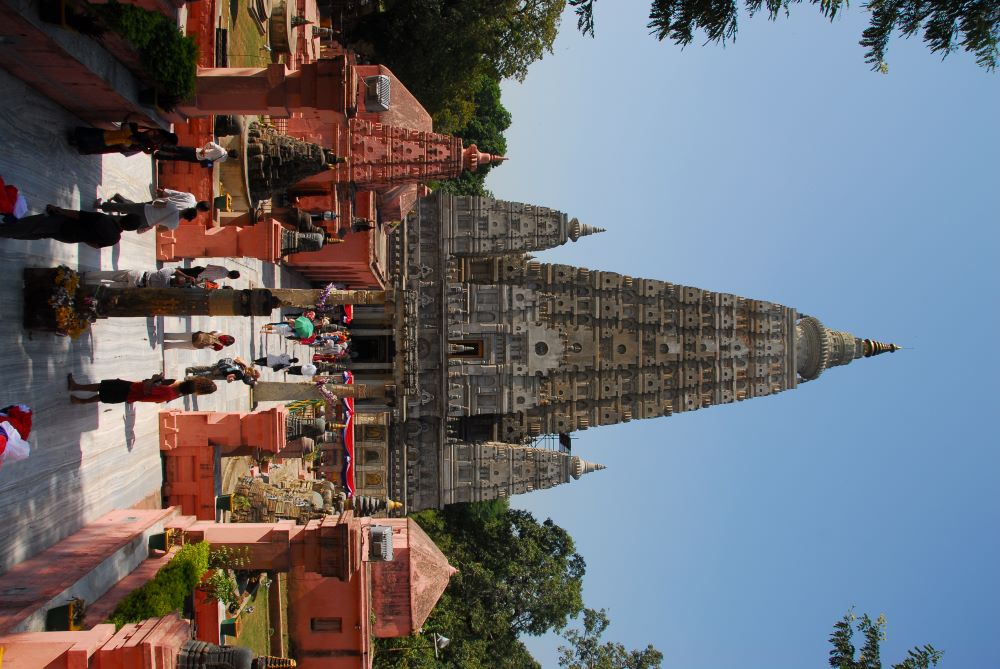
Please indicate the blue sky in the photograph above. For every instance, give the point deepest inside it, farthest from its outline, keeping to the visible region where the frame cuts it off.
(781, 168)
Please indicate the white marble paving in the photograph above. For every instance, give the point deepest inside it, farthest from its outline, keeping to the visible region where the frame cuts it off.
(87, 460)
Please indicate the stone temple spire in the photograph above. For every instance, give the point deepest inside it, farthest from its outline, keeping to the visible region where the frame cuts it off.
(818, 348)
(581, 467)
(577, 229)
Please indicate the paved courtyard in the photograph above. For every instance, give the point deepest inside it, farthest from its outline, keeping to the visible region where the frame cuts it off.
(87, 460)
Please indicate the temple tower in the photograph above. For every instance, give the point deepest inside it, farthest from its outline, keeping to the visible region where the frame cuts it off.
(506, 348)
(494, 470)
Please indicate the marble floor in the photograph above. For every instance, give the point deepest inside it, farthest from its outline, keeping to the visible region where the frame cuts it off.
(87, 460)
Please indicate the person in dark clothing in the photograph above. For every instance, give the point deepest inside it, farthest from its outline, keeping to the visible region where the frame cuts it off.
(131, 138)
(72, 227)
(227, 369)
(154, 389)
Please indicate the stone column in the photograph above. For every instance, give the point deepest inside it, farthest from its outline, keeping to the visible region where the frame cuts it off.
(181, 301)
(277, 391)
(306, 298)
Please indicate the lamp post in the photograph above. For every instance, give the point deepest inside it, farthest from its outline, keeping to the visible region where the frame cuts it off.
(439, 642)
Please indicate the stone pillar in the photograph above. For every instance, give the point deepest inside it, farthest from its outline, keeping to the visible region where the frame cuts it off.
(181, 301)
(365, 315)
(323, 90)
(307, 298)
(371, 332)
(277, 391)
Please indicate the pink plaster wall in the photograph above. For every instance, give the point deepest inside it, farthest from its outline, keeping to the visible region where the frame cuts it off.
(313, 596)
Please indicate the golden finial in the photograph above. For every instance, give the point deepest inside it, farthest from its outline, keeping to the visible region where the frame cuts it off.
(873, 347)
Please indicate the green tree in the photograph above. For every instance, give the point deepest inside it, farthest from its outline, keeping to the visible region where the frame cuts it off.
(843, 651)
(947, 25)
(516, 576)
(457, 41)
(584, 15)
(587, 652)
(485, 129)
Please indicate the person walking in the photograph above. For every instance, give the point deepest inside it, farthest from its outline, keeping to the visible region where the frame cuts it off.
(302, 327)
(209, 273)
(206, 155)
(276, 362)
(168, 277)
(154, 389)
(165, 211)
(229, 370)
(214, 340)
(70, 226)
(129, 139)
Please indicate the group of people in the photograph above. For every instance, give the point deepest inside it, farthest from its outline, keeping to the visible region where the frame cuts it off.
(131, 138)
(104, 227)
(327, 338)
(168, 277)
(156, 388)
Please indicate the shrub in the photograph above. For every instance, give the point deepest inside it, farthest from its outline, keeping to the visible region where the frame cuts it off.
(166, 54)
(220, 586)
(168, 590)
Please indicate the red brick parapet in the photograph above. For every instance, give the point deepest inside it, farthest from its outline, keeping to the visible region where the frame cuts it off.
(153, 644)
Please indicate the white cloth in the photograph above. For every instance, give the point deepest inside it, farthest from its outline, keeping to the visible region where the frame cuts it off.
(114, 278)
(20, 207)
(332, 349)
(168, 214)
(213, 273)
(308, 369)
(212, 151)
(280, 359)
(161, 278)
(17, 448)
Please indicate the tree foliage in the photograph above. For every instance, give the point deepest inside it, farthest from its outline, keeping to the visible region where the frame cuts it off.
(486, 130)
(457, 42)
(515, 576)
(584, 15)
(947, 25)
(842, 655)
(585, 650)
(168, 590)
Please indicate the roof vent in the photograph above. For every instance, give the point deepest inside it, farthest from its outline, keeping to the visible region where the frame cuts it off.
(377, 93)
(381, 548)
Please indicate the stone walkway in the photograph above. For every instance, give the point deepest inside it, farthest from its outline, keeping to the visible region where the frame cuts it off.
(88, 460)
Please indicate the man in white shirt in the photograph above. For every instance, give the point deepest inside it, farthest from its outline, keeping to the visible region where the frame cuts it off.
(168, 277)
(207, 155)
(209, 273)
(276, 362)
(166, 210)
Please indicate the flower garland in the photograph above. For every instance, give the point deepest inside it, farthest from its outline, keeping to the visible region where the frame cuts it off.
(325, 392)
(73, 317)
(324, 296)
